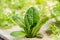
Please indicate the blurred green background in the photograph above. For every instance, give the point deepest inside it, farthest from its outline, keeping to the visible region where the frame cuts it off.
(49, 8)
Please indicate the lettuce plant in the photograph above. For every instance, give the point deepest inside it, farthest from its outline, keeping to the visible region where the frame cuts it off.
(31, 24)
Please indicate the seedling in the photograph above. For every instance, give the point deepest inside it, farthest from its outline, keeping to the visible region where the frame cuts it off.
(31, 24)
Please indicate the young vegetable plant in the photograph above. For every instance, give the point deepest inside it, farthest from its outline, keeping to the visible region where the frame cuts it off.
(31, 24)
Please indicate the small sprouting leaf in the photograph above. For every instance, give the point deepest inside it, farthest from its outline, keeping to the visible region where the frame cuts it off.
(18, 21)
(18, 34)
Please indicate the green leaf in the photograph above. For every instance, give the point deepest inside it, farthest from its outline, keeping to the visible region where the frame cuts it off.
(18, 34)
(39, 25)
(18, 21)
(31, 18)
(39, 36)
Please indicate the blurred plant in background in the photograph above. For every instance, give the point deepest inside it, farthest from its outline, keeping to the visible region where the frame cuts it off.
(54, 28)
